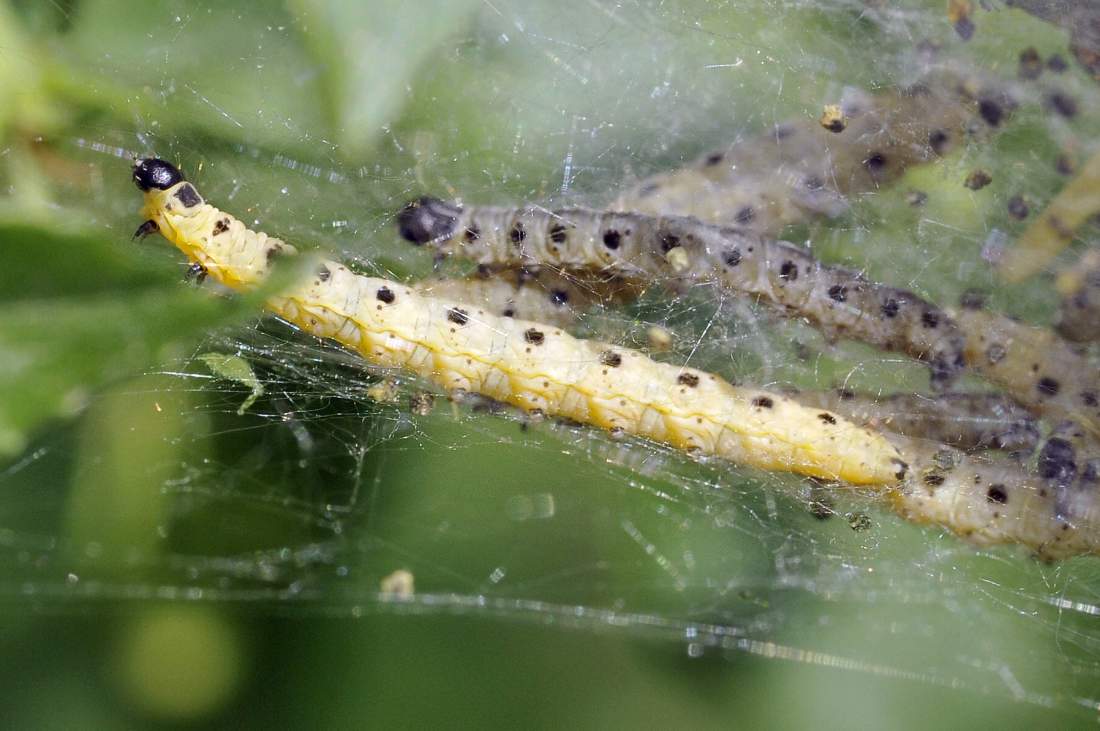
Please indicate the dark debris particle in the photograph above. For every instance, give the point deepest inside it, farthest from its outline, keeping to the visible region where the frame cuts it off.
(997, 494)
(458, 316)
(471, 234)
(1018, 207)
(732, 257)
(385, 295)
(220, 226)
(763, 402)
(611, 359)
(688, 379)
(827, 417)
(838, 293)
(714, 158)
(978, 179)
(933, 479)
(788, 271)
(832, 119)
(533, 336)
(612, 239)
(859, 521)
(559, 297)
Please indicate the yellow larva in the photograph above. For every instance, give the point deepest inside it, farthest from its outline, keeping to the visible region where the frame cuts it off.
(523, 363)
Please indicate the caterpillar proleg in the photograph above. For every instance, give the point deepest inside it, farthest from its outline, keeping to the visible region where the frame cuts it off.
(682, 250)
(523, 363)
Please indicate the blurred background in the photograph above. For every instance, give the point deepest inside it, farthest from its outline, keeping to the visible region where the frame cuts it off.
(208, 519)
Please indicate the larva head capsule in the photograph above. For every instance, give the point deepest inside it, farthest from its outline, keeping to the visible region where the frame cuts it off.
(427, 219)
(152, 172)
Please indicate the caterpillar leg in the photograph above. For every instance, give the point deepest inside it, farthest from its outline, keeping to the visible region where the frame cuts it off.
(149, 227)
(196, 272)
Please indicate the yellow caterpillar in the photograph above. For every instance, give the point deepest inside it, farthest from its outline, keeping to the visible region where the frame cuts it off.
(519, 362)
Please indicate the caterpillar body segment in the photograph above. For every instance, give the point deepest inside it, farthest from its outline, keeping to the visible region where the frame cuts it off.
(1079, 314)
(990, 501)
(681, 251)
(797, 170)
(544, 294)
(537, 368)
(1033, 365)
(968, 421)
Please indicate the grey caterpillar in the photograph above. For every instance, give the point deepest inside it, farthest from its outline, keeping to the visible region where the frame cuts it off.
(797, 171)
(991, 501)
(682, 251)
(1035, 366)
(968, 421)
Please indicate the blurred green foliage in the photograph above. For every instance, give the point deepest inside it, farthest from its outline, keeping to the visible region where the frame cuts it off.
(169, 560)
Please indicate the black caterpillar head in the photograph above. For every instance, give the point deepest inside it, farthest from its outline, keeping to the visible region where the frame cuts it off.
(152, 172)
(427, 219)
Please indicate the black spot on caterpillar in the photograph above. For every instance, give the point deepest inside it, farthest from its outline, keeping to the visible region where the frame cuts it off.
(839, 301)
(799, 170)
(543, 294)
(527, 364)
(969, 421)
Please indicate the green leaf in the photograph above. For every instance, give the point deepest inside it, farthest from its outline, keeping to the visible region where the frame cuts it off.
(369, 53)
(82, 311)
